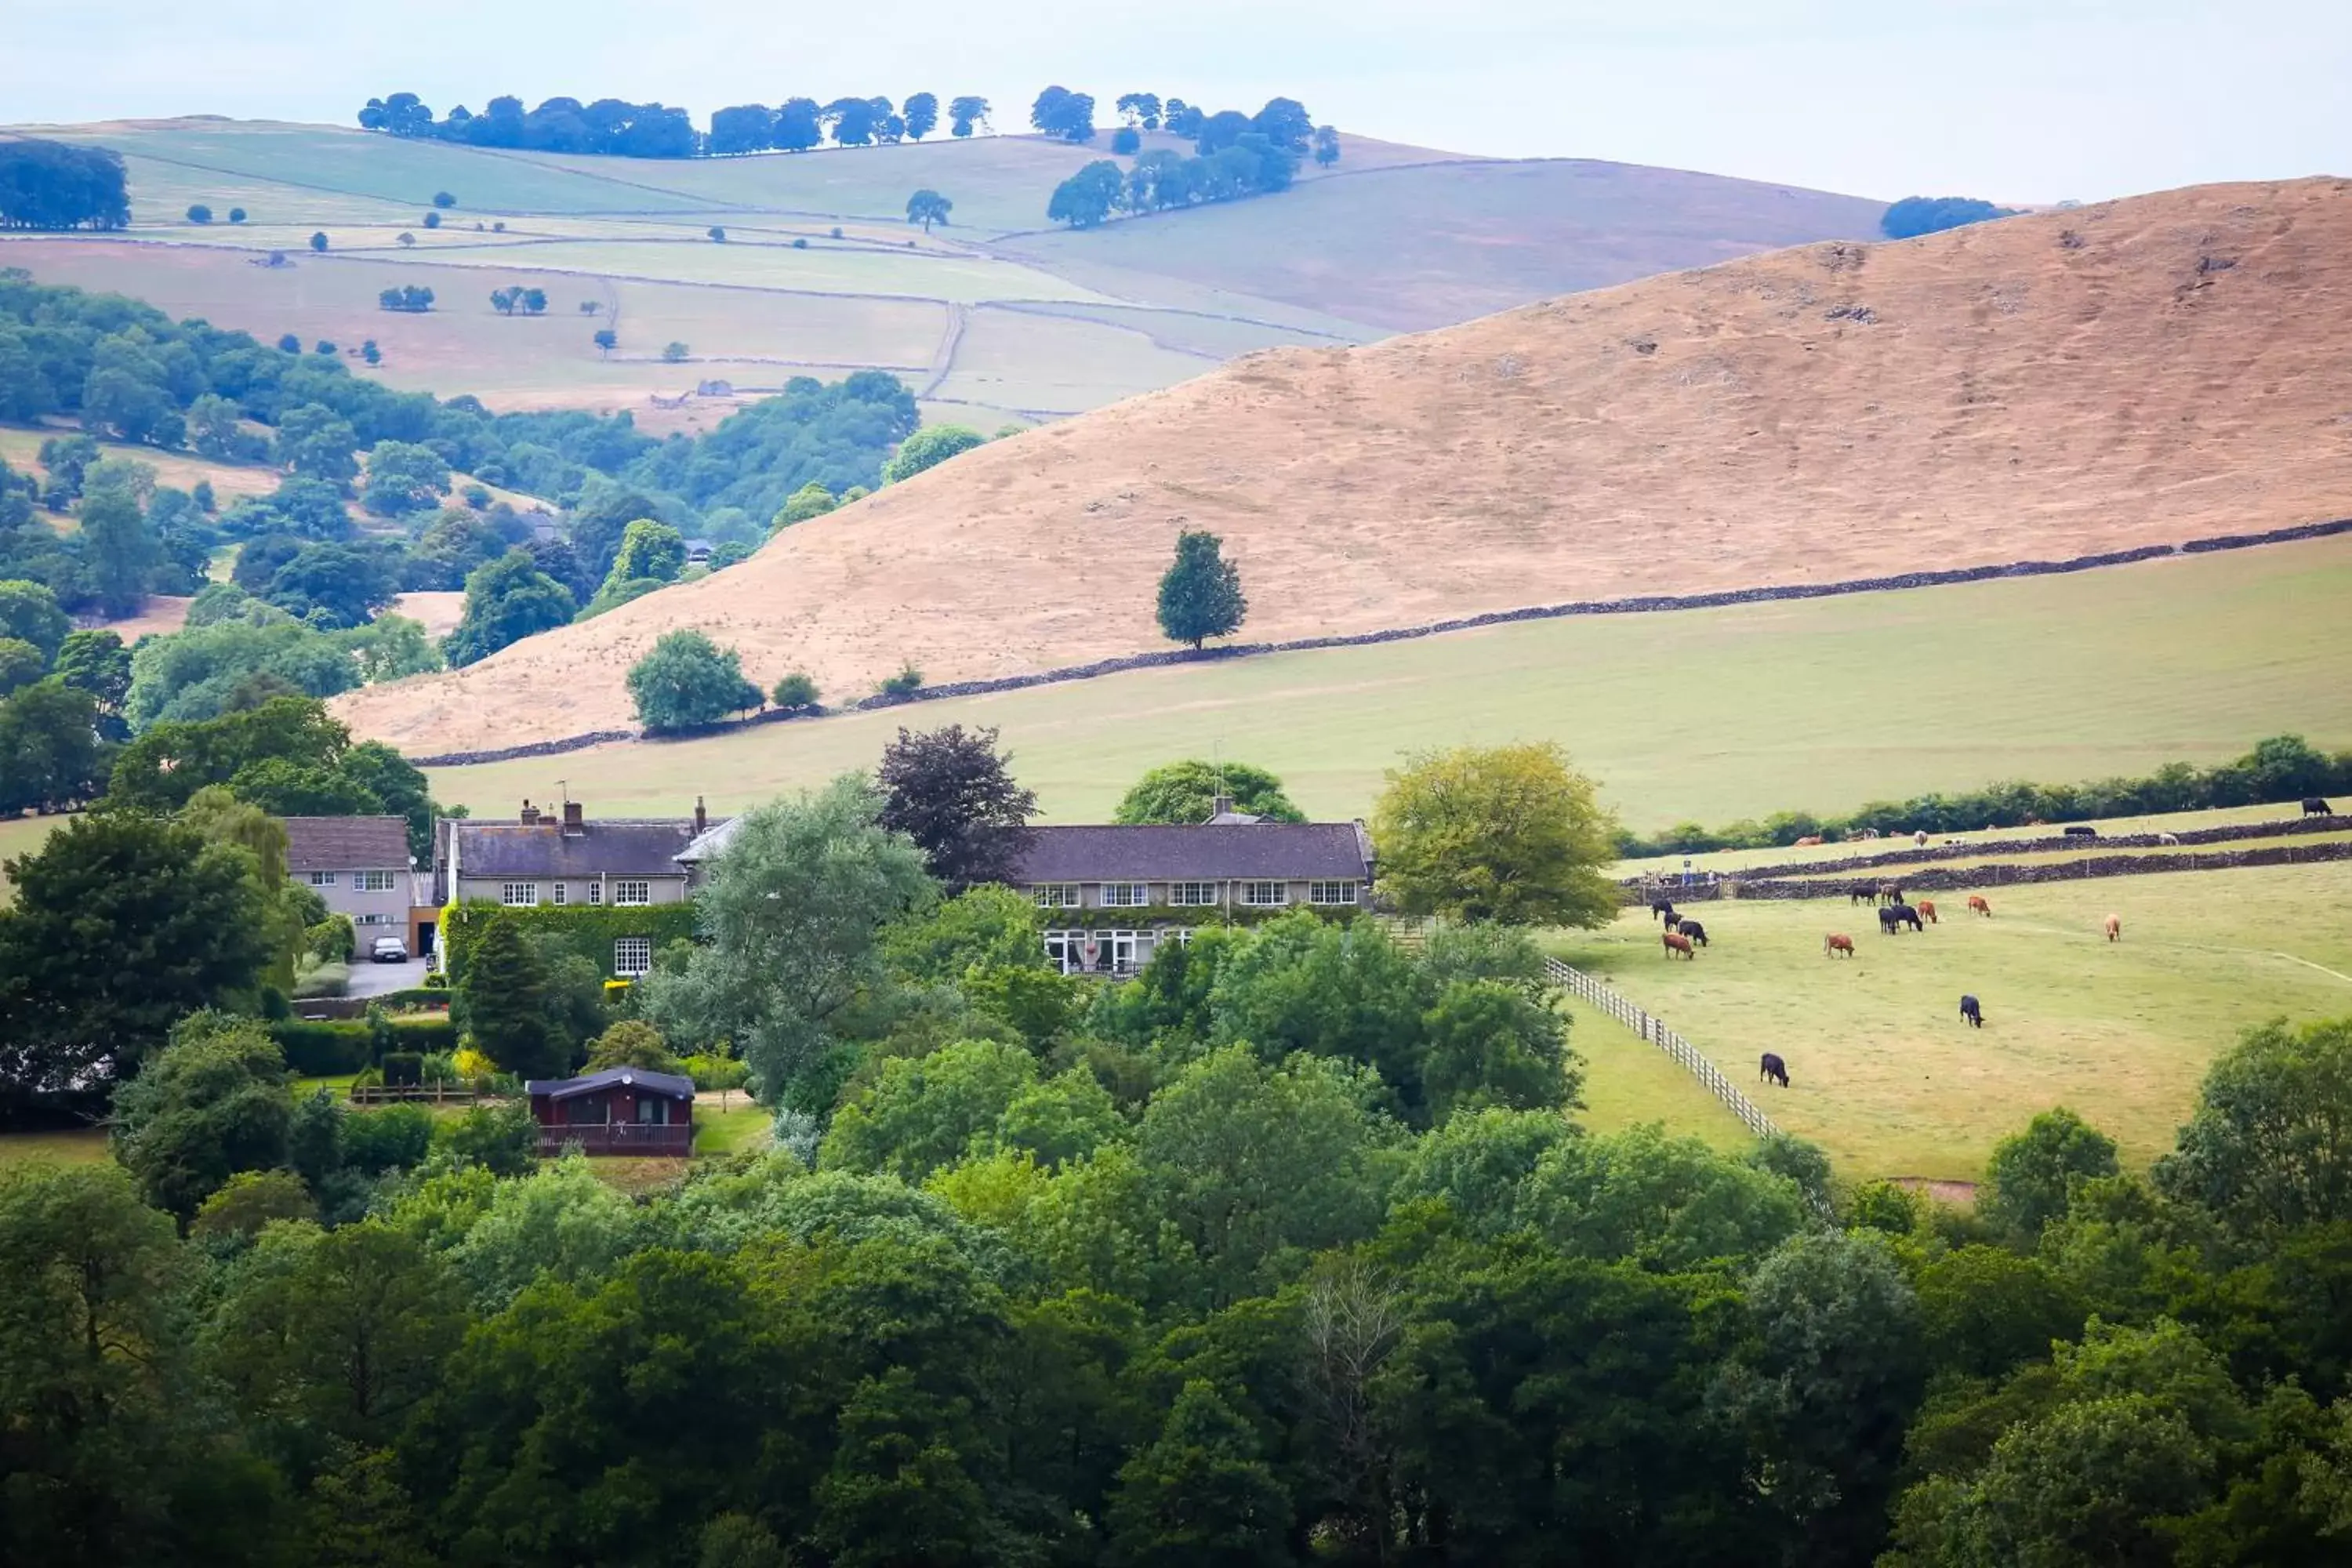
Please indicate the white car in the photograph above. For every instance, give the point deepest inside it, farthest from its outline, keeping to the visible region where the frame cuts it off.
(389, 950)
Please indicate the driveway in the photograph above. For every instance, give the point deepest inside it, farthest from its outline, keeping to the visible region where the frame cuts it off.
(372, 979)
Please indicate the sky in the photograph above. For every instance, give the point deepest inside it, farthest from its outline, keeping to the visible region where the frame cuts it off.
(2019, 100)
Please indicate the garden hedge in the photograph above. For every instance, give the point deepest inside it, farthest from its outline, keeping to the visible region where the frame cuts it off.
(316, 1049)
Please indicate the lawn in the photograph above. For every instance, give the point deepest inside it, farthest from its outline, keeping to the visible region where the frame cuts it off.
(1706, 715)
(1888, 1079)
(742, 1125)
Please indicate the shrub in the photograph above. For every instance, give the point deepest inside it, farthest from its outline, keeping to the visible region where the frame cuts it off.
(332, 940)
(794, 692)
(321, 1050)
(433, 220)
(906, 683)
(323, 980)
(799, 245)
(396, 1138)
(674, 353)
(236, 215)
(404, 1068)
(443, 199)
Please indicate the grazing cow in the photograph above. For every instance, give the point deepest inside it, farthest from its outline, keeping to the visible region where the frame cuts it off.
(1927, 911)
(2114, 928)
(2079, 831)
(1694, 931)
(2315, 806)
(1890, 892)
(1811, 841)
(1889, 923)
(1862, 893)
(1677, 943)
(1662, 907)
(1774, 1069)
(1976, 906)
(2171, 838)
(1905, 915)
(1837, 942)
(1971, 1012)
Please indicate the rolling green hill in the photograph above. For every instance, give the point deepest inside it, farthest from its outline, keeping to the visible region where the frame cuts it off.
(990, 320)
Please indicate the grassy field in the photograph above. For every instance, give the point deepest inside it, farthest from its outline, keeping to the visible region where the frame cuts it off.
(72, 1146)
(1889, 1080)
(1706, 714)
(740, 1126)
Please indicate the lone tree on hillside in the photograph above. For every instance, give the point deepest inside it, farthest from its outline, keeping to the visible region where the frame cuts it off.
(687, 681)
(319, 242)
(1201, 597)
(928, 207)
(950, 792)
(1508, 834)
(674, 353)
(200, 213)
(606, 342)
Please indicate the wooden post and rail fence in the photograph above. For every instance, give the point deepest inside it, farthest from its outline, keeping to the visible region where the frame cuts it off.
(1653, 1030)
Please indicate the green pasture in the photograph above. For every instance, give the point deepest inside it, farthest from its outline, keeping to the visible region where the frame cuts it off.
(1628, 1082)
(61, 1146)
(1889, 1080)
(1709, 715)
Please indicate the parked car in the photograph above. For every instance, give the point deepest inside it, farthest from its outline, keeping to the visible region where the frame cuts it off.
(389, 950)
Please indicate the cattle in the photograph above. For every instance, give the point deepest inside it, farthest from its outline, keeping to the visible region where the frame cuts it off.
(1927, 911)
(2315, 806)
(1890, 892)
(1811, 841)
(1677, 943)
(1889, 923)
(1862, 893)
(1971, 1012)
(1694, 931)
(2114, 928)
(2171, 838)
(1773, 1068)
(2079, 831)
(1976, 906)
(1905, 915)
(1662, 907)
(1837, 942)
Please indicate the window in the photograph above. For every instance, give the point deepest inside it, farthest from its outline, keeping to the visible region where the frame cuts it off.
(1188, 894)
(322, 879)
(628, 894)
(372, 920)
(1055, 895)
(1266, 894)
(562, 892)
(371, 882)
(1330, 892)
(519, 895)
(1125, 895)
(596, 891)
(653, 1112)
(633, 956)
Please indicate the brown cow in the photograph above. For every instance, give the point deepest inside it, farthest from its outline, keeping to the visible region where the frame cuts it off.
(1677, 943)
(1976, 906)
(1927, 911)
(1890, 892)
(1835, 944)
(1811, 841)
(2114, 928)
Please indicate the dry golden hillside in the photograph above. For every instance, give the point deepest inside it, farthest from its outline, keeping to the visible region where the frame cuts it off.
(2148, 370)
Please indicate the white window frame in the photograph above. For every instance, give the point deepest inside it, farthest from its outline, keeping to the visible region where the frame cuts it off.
(562, 894)
(519, 895)
(1251, 890)
(621, 890)
(1331, 895)
(322, 879)
(633, 947)
(1057, 895)
(1192, 894)
(596, 891)
(371, 881)
(1126, 895)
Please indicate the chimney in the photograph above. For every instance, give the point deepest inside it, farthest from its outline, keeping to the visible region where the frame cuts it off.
(1221, 805)
(574, 826)
(530, 814)
(701, 818)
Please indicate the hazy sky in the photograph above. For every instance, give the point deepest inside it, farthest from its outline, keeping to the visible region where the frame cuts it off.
(2021, 100)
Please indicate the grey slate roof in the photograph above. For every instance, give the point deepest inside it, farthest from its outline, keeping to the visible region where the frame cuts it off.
(610, 848)
(1203, 852)
(346, 843)
(711, 844)
(668, 1083)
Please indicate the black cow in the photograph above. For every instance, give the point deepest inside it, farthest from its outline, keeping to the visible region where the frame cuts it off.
(1889, 923)
(2081, 830)
(1774, 1069)
(1905, 915)
(2315, 806)
(1662, 907)
(1694, 931)
(1971, 1012)
(1863, 893)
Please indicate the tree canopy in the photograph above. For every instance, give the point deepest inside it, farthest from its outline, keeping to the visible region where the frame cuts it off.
(1188, 790)
(688, 680)
(1496, 833)
(950, 791)
(1201, 593)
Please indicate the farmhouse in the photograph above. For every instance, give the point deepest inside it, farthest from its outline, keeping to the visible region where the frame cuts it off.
(360, 866)
(1113, 894)
(621, 1111)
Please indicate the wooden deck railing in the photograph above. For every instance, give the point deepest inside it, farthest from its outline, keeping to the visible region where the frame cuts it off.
(619, 1138)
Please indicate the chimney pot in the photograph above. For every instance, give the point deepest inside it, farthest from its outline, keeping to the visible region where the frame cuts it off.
(701, 817)
(574, 826)
(1221, 805)
(530, 814)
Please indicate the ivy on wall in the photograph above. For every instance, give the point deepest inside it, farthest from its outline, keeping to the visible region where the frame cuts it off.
(589, 930)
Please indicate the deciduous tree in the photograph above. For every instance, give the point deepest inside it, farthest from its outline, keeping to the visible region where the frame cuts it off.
(1201, 593)
(688, 680)
(951, 793)
(1188, 790)
(507, 600)
(1502, 833)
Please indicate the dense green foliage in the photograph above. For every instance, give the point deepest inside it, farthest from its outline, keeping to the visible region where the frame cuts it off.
(1496, 833)
(927, 448)
(52, 184)
(951, 793)
(1188, 792)
(687, 681)
(1201, 593)
(2282, 768)
(1914, 216)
